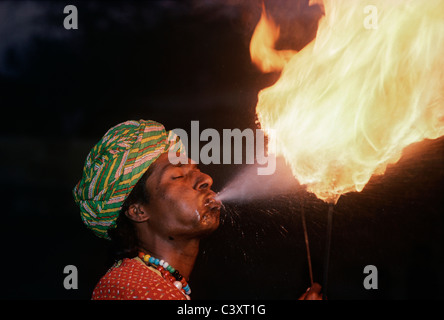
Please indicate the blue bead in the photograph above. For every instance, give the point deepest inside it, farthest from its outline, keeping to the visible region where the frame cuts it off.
(156, 262)
(151, 260)
(187, 289)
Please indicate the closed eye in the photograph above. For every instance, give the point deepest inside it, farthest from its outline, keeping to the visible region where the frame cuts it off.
(177, 177)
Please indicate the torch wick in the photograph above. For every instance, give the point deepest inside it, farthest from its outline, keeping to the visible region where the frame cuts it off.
(307, 245)
(327, 250)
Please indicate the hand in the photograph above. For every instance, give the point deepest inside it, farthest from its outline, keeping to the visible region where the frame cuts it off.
(312, 293)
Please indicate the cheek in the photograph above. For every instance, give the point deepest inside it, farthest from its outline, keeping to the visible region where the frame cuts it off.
(181, 205)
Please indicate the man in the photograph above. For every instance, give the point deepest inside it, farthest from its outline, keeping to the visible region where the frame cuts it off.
(155, 211)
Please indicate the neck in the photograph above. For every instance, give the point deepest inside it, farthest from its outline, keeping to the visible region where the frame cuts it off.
(180, 254)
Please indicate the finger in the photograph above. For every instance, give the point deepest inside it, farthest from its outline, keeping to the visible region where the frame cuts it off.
(302, 297)
(316, 287)
(314, 293)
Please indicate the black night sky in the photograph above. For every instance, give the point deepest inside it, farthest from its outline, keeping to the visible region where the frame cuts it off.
(174, 62)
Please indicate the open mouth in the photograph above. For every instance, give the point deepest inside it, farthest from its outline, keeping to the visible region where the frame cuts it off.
(210, 213)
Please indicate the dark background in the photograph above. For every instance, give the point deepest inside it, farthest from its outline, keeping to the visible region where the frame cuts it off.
(174, 62)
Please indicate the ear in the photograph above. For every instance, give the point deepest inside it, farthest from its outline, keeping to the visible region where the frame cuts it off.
(137, 213)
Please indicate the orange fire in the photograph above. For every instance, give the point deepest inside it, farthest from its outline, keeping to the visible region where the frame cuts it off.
(349, 102)
(262, 46)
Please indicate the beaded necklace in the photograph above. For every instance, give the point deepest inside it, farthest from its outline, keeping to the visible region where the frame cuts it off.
(168, 272)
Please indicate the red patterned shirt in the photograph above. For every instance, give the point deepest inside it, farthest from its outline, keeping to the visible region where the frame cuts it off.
(131, 279)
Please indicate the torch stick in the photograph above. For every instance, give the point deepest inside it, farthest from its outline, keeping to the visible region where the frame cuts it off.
(327, 250)
(307, 245)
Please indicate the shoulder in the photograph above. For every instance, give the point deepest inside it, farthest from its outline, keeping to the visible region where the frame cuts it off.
(130, 279)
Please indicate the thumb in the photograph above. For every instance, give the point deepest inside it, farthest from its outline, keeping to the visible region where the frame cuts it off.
(314, 293)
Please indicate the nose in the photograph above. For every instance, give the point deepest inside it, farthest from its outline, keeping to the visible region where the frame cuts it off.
(203, 182)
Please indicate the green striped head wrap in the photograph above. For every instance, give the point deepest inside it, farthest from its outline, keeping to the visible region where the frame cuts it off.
(113, 167)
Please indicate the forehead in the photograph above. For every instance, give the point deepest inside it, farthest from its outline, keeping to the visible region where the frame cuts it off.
(163, 163)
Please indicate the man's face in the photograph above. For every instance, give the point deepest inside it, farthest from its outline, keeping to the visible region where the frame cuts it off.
(182, 204)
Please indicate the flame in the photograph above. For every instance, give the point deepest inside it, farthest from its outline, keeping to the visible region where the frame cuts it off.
(262, 45)
(349, 102)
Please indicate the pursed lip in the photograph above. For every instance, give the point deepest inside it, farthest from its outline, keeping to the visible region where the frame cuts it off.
(211, 203)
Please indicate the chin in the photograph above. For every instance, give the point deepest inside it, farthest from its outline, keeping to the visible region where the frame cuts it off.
(210, 221)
